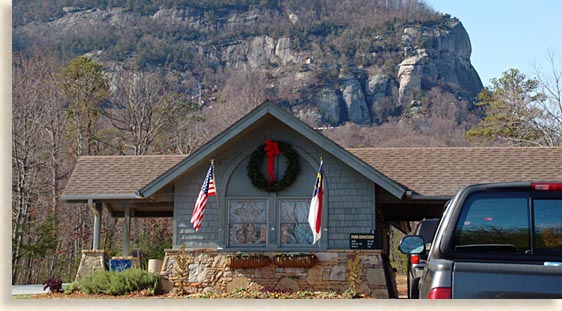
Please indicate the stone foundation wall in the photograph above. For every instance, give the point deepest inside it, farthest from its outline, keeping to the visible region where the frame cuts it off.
(208, 271)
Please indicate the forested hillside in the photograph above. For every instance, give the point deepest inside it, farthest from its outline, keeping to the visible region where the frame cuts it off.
(136, 77)
(363, 62)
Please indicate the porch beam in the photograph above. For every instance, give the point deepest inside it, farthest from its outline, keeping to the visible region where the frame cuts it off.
(96, 209)
(127, 231)
(144, 214)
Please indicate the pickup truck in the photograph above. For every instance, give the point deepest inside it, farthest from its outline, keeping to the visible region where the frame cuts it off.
(416, 262)
(498, 240)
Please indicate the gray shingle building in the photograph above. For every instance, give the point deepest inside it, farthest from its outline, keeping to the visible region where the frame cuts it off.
(366, 191)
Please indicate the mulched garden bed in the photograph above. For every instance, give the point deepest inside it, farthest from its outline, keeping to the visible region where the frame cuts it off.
(236, 295)
(240, 294)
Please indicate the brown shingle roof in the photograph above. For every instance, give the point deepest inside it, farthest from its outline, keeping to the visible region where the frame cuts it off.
(443, 171)
(427, 171)
(116, 175)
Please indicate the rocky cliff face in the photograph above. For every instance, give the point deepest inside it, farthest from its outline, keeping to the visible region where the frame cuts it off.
(363, 86)
(443, 57)
(431, 57)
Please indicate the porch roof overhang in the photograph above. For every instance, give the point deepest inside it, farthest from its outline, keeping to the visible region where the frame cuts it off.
(117, 204)
(412, 207)
(99, 197)
(115, 180)
(441, 172)
(434, 175)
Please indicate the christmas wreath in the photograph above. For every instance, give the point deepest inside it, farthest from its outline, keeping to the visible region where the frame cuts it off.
(271, 149)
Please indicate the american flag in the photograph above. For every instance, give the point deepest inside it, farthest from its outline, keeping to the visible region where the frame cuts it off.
(207, 190)
(315, 211)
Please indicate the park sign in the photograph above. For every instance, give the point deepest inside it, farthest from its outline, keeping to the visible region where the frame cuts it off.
(362, 241)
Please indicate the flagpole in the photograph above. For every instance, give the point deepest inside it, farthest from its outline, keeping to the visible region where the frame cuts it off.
(315, 210)
(216, 195)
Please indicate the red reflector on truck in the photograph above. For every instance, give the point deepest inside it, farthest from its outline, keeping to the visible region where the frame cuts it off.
(441, 293)
(415, 259)
(546, 186)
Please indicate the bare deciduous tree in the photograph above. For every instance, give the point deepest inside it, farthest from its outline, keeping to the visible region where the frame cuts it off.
(550, 84)
(244, 90)
(145, 104)
(27, 151)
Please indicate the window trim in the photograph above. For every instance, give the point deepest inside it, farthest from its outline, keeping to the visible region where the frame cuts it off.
(227, 223)
(278, 224)
(269, 244)
(541, 251)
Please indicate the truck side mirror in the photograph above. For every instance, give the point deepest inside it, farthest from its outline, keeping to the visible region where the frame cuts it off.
(412, 244)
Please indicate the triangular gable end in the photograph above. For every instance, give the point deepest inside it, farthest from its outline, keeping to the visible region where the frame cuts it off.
(274, 110)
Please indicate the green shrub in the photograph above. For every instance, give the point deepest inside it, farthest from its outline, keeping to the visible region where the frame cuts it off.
(115, 282)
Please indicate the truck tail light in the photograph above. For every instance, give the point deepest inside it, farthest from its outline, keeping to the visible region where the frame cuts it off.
(547, 186)
(441, 293)
(415, 259)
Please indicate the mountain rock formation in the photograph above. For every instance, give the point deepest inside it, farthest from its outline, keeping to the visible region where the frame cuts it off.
(361, 64)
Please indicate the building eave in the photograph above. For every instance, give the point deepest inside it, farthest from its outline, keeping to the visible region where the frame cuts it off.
(100, 197)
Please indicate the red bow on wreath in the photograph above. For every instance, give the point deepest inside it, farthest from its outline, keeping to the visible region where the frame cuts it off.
(272, 150)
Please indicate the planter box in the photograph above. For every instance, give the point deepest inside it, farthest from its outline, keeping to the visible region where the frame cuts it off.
(248, 261)
(298, 261)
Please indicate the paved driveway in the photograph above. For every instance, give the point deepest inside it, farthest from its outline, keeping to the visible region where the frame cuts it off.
(31, 289)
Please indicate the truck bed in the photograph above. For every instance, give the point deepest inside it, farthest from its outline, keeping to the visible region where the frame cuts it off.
(483, 280)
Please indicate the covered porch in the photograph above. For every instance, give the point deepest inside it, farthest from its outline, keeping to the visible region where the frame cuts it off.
(109, 184)
(97, 257)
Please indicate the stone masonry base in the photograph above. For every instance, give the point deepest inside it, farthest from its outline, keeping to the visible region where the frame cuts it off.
(97, 260)
(91, 261)
(208, 272)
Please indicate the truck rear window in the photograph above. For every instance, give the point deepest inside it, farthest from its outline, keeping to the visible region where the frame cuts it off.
(494, 223)
(548, 224)
(500, 223)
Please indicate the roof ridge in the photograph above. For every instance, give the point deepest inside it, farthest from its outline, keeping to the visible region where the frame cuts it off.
(133, 156)
(451, 148)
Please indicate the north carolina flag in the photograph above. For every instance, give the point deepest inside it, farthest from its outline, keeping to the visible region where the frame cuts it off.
(207, 190)
(315, 211)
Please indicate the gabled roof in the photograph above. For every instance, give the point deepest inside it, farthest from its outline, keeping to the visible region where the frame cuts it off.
(427, 171)
(430, 172)
(115, 177)
(444, 171)
(271, 110)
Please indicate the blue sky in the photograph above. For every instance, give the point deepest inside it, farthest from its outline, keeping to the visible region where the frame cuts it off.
(508, 33)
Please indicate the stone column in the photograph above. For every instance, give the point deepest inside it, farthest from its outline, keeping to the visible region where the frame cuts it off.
(91, 261)
(127, 231)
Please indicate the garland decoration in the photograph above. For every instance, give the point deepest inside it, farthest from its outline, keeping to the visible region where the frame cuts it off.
(272, 184)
